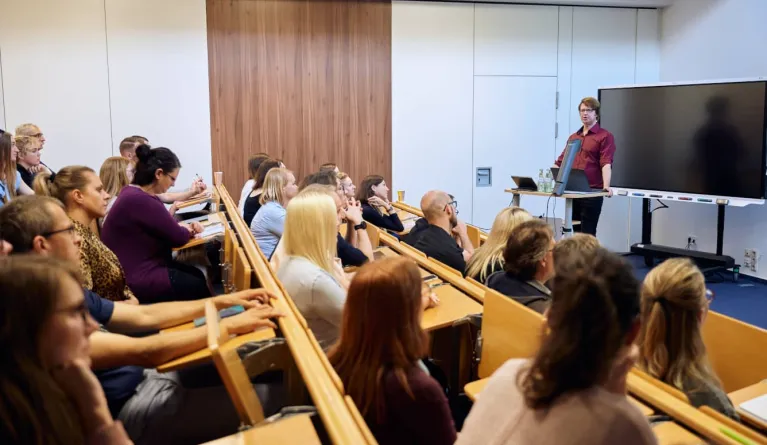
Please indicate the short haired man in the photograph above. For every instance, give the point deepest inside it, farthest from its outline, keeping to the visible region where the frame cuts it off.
(595, 158)
(154, 408)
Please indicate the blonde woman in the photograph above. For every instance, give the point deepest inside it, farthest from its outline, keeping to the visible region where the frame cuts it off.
(674, 306)
(347, 185)
(11, 184)
(308, 270)
(488, 259)
(115, 173)
(268, 224)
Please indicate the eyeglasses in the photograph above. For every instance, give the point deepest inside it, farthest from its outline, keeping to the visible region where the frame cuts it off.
(710, 296)
(70, 229)
(454, 204)
(172, 178)
(586, 110)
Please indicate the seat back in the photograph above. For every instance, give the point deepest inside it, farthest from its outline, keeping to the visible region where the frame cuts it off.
(736, 350)
(231, 370)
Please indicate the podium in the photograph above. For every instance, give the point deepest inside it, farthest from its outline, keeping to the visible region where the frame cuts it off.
(567, 228)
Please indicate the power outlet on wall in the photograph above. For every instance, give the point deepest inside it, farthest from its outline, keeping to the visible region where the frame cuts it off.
(692, 242)
(751, 260)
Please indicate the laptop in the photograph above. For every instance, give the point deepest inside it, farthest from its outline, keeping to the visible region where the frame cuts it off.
(577, 182)
(525, 183)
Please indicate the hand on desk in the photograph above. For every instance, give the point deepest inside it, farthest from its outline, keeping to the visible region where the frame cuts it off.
(251, 320)
(609, 192)
(193, 228)
(248, 298)
(429, 298)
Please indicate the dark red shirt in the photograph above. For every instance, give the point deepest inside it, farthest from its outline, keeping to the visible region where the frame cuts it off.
(597, 150)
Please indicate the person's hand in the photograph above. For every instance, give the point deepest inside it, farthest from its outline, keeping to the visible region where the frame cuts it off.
(82, 387)
(429, 298)
(173, 208)
(196, 228)
(247, 298)
(460, 228)
(197, 187)
(251, 320)
(5, 248)
(625, 360)
(354, 214)
(39, 168)
(375, 201)
(609, 192)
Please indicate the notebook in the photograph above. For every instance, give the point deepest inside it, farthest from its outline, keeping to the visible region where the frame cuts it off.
(756, 407)
(212, 230)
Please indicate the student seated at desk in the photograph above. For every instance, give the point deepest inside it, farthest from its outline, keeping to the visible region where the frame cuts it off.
(85, 200)
(142, 233)
(436, 240)
(254, 162)
(675, 302)
(488, 258)
(28, 158)
(347, 185)
(309, 271)
(11, 183)
(577, 245)
(574, 390)
(50, 394)
(269, 222)
(253, 201)
(155, 408)
(378, 356)
(373, 194)
(529, 263)
(116, 173)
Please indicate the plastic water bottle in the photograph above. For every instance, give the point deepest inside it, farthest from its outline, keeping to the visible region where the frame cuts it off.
(549, 182)
(541, 181)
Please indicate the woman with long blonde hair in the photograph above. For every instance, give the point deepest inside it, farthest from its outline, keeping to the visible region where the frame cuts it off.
(308, 270)
(116, 172)
(378, 356)
(674, 306)
(49, 393)
(11, 183)
(489, 257)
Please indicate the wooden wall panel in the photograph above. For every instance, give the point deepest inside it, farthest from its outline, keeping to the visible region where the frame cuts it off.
(304, 81)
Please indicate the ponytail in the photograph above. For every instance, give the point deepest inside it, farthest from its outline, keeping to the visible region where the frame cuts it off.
(150, 160)
(60, 185)
(595, 303)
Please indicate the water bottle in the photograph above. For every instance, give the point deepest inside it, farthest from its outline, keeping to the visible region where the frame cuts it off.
(549, 181)
(541, 181)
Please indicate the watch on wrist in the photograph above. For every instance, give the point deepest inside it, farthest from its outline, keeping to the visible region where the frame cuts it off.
(363, 225)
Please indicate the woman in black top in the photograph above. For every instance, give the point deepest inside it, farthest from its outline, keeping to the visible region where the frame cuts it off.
(251, 203)
(373, 194)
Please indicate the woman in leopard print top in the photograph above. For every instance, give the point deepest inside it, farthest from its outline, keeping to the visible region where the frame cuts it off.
(85, 200)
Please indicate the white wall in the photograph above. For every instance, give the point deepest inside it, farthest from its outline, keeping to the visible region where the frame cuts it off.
(438, 48)
(91, 72)
(703, 40)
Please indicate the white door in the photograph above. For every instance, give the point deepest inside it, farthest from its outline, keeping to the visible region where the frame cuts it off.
(514, 134)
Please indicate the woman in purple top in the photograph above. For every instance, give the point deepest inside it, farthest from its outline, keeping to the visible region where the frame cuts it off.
(142, 233)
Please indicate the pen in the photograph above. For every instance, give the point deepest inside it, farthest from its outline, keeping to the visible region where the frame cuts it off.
(432, 286)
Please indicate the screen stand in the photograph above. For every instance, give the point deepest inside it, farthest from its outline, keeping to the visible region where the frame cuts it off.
(708, 262)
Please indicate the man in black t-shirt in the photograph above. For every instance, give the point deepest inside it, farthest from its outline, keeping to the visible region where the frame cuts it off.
(436, 240)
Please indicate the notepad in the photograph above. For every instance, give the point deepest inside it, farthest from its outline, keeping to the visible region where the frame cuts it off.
(756, 407)
(212, 230)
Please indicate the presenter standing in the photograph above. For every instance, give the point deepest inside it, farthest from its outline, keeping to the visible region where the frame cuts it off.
(595, 158)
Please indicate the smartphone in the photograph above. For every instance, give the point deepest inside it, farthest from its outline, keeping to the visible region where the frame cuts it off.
(429, 277)
(223, 313)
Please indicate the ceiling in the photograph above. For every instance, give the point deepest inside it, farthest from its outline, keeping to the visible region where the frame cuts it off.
(623, 3)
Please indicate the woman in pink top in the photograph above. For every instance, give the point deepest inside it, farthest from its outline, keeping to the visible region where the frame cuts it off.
(574, 390)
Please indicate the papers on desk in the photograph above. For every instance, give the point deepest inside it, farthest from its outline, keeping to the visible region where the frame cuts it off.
(212, 230)
(756, 407)
(408, 225)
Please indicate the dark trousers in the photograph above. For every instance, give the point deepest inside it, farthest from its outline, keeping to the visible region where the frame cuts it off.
(587, 211)
(188, 282)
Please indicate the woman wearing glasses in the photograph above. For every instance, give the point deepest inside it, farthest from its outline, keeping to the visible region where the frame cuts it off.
(142, 233)
(11, 183)
(674, 306)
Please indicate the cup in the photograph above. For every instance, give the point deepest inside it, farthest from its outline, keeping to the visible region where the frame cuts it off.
(400, 196)
(218, 178)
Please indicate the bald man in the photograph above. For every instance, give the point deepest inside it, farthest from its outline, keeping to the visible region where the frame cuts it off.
(436, 240)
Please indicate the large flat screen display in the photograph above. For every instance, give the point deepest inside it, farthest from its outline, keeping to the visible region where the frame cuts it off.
(707, 139)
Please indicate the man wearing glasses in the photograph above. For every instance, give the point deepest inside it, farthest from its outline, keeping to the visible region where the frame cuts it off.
(595, 158)
(436, 239)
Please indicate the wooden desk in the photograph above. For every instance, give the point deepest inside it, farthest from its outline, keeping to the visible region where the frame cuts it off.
(669, 433)
(195, 200)
(295, 429)
(203, 355)
(213, 218)
(453, 306)
(746, 394)
(474, 388)
(567, 228)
